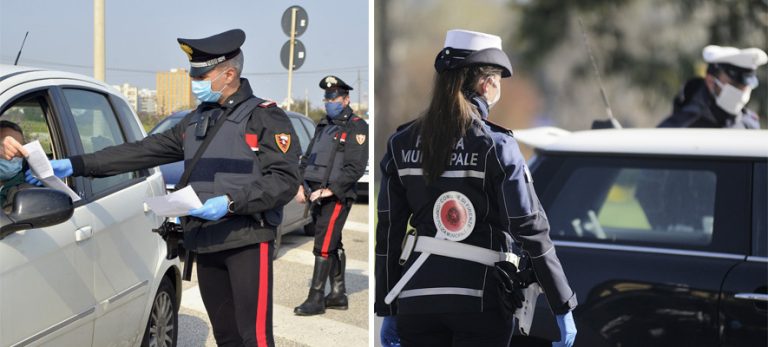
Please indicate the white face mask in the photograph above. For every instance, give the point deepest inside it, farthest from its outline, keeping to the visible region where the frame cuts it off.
(496, 97)
(732, 99)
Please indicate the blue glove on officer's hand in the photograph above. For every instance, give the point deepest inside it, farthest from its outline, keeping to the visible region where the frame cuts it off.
(389, 336)
(213, 209)
(62, 168)
(567, 330)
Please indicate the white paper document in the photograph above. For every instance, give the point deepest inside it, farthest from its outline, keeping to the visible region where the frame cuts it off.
(41, 167)
(176, 204)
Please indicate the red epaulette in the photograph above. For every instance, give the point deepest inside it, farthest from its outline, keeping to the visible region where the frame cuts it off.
(267, 104)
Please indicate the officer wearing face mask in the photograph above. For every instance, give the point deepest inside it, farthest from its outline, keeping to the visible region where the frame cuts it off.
(456, 206)
(718, 100)
(11, 176)
(335, 159)
(241, 162)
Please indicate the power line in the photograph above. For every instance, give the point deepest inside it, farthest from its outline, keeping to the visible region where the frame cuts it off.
(119, 69)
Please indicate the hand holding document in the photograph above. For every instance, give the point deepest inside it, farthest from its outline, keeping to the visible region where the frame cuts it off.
(41, 167)
(176, 204)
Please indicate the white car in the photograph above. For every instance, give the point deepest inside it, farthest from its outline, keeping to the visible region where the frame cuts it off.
(90, 273)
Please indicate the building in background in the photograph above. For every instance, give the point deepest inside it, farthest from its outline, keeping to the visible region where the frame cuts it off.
(147, 101)
(131, 93)
(174, 91)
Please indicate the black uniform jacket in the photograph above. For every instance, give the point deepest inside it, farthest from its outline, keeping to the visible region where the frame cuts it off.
(487, 167)
(280, 177)
(695, 107)
(350, 160)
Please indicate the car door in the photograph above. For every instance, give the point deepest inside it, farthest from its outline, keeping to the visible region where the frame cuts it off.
(744, 297)
(645, 243)
(126, 249)
(46, 274)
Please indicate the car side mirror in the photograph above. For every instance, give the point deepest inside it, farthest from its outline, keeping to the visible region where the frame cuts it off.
(36, 208)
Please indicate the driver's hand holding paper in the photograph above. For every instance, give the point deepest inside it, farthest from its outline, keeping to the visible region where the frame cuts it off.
(47, 172)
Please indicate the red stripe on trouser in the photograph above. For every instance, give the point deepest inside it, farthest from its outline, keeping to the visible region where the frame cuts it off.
(329, 231)
(261, 309)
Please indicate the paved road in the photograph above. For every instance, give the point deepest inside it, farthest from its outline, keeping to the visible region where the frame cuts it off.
(293, 271)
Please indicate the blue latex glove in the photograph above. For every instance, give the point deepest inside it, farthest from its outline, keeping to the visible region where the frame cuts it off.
(62, 168)
(567, 330)
(213, 209)
(389, 336)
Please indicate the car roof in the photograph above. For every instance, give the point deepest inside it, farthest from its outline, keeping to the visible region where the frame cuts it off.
(668, 141)
(11, 75)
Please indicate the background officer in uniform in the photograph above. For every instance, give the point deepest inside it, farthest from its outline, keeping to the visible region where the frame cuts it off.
(453, 148)
(244, 177)
(718, 99)
(335, 159)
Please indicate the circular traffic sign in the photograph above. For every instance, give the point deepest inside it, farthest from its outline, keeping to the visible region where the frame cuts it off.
(302, 20)
(299, 54)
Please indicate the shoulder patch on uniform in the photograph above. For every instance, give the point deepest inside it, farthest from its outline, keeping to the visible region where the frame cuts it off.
(283, 141)
(267, 104)
(405, 125)
(360, 138)
(498, 128)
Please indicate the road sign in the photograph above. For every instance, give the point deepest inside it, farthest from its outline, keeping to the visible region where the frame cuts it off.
(299, 54)
(302, 20)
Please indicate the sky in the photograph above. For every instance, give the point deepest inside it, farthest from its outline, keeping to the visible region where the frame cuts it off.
(141, 39)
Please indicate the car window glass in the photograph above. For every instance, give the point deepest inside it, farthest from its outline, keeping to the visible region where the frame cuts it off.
(166, 124)
(310, 127)
(653, 205)
(97, 128)
(127, 115)
(301, 133)
(30, 114)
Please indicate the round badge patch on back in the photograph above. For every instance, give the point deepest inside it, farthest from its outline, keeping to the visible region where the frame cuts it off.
(454, 216)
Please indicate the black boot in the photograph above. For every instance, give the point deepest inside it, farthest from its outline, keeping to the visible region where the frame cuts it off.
(337, 298)
(315, 303)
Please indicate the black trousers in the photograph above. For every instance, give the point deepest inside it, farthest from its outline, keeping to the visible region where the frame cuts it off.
(475, 329)
(236, 287)
(329, 218)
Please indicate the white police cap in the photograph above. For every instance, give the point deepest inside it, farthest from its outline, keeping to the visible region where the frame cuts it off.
(464, 48)
(748, 58)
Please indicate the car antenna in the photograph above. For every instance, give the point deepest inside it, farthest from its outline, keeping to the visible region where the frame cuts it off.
(16, 62)
(611, 122)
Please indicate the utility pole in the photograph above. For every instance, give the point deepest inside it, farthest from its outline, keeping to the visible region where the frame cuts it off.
(99, 47)
(359, 91)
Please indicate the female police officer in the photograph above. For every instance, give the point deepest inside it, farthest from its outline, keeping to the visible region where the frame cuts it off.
(464, 186)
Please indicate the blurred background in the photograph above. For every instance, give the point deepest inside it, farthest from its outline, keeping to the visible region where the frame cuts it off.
(645, 51)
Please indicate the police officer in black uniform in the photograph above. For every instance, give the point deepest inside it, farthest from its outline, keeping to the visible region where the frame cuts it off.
(244, 176)
(463, 186)
(718, 99)
(335, 159)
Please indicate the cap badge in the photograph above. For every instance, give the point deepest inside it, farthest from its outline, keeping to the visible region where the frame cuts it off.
(187, 49)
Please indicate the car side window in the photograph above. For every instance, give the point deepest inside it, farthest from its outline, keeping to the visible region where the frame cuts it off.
(30, 113)
(310, 127)
(642, 202)
(301, 133)
(97, 128)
